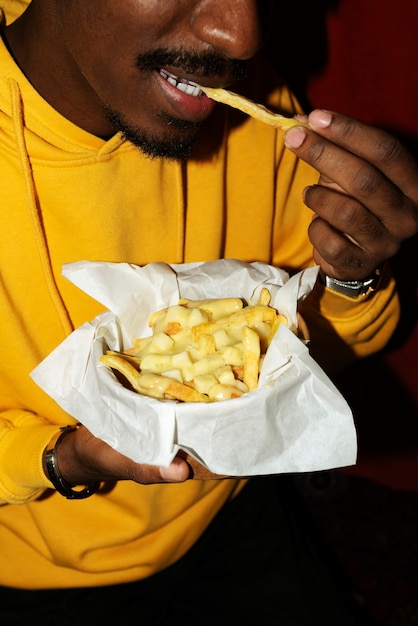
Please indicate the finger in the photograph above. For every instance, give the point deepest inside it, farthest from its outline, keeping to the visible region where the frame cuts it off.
(338, 256)
(358, 178)
(347, 238)
(97, 460)
(374, 145)
(177, 472)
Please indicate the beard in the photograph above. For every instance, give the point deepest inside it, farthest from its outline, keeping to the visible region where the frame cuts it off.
(181, 142)
(155, 147)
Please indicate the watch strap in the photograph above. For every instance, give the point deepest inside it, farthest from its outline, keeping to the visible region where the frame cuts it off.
(352, 288)
(55, 476)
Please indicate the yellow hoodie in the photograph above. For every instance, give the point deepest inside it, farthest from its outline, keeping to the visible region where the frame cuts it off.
(65, 196)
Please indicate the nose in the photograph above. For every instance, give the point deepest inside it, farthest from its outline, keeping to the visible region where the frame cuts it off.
(231, 27)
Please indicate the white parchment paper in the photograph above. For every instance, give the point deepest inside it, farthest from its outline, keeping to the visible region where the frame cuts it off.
(296, 421)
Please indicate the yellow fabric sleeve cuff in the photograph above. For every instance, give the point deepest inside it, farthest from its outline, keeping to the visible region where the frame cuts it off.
(22, 477)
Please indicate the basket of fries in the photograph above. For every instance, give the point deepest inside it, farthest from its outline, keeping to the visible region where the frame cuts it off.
(206, 360)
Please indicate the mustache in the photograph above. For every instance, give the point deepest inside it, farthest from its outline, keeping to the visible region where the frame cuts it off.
(204, 63)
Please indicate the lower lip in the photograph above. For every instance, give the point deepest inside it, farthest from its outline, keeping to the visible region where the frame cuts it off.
(189, 108)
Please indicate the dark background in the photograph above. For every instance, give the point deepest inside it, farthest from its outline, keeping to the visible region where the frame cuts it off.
(360, 57)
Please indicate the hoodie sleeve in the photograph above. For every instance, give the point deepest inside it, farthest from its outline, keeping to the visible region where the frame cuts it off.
(343, 328)
(23, 438)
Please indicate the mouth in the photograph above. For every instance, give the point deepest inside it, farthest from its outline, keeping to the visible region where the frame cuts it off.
(185, 98)
(185, 86)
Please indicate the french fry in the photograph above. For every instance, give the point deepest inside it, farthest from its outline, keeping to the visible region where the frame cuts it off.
(258, 111)
(200, 351)
(120, 364)
(280, 319)
(126, 356)
(138, 346)
(247, 316)
(265, 297)
(251, 357)
(153, 385)
(217, 307)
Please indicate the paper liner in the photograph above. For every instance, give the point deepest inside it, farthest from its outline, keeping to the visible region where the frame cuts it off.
(296, 421)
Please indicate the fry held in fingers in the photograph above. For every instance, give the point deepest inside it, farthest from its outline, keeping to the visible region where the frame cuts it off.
(200, 351)
(257, 111)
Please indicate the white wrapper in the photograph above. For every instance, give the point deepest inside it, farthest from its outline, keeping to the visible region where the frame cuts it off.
(296, 421)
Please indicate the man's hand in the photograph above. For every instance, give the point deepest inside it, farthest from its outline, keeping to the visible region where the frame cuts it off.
(82, 459)
(366, 201)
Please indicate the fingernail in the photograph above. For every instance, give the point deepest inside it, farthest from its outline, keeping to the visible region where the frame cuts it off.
(175, 472)
(295, 137)
(169, 473)
(320, 118)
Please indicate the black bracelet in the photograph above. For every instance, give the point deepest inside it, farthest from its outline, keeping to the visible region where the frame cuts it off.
(53, 473)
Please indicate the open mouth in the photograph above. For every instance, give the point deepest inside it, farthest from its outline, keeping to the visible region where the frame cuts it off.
(185, 86)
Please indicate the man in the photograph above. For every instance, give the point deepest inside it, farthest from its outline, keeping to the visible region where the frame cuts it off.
(111, 152)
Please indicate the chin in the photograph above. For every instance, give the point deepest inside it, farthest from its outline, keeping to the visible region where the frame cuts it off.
(159, 149)
(177, 146)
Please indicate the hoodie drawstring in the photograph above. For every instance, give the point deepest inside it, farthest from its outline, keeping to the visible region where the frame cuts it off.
(18, 121)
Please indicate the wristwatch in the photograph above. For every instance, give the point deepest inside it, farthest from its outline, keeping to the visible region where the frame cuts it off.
(352, 288)
(52, 471)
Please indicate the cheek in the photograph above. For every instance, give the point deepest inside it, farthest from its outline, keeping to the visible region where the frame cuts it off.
(104, 38)
(104, 57)
(95, 32)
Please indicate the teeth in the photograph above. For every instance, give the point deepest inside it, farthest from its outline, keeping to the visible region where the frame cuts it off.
(189, 88)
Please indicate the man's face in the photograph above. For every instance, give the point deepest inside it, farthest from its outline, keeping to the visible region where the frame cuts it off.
(137, 62)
